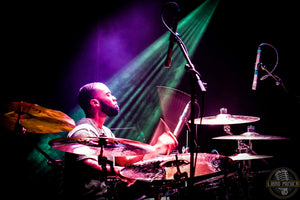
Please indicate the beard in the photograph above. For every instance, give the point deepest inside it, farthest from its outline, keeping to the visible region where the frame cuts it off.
(110, 111)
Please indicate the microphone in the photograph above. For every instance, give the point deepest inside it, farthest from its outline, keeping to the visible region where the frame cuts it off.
(172, 40)
(256, 67)
(182, 119)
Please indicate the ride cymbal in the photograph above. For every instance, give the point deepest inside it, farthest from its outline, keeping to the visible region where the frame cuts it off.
(93, 146)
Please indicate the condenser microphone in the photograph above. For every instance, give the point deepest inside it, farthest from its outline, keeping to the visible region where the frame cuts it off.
(256, 67)
(182, 119)
(172, 39)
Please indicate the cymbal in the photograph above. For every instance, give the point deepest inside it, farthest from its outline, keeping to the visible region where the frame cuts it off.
(226, 119)
(165, 167)
(34, 118)
(247, 156)
(92, 146)
(249, 136)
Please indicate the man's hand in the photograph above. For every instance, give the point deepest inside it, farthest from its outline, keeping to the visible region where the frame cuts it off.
(166, 143)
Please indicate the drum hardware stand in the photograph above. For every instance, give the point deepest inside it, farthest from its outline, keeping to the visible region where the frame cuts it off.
(245, 148)
(107, 177)
(227, 129)
(103, 160)
(178, 175)
(19, 129)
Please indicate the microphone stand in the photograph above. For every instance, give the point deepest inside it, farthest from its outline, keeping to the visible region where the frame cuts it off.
(278, 81)
(195, 81)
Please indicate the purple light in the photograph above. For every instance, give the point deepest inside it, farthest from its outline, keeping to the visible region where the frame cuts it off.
(115, 41)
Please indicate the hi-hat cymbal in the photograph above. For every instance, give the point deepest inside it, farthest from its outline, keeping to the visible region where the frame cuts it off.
(34, 118)
(249, 136)
(247, 156)
(226, 119)
(166, 167)
(92, 146)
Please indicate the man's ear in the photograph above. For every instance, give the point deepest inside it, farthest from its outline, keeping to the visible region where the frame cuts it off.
(95, 103)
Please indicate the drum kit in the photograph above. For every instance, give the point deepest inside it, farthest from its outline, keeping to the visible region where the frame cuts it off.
(172, 168)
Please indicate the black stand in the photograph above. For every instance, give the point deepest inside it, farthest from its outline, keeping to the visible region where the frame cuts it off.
(195, 82)
(103, 160)
(278, 80)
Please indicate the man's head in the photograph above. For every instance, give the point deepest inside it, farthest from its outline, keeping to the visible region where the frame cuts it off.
(95, 97)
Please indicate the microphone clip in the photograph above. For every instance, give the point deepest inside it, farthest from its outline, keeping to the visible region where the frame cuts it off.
(269, 74)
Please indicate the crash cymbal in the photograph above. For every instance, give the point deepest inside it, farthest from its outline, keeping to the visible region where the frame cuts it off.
(226, 119)
(247, 156)
(92, 146)
(34, 118)
(249, 136)
(165, 167)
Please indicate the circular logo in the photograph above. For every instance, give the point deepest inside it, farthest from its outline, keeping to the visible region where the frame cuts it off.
(283, 183)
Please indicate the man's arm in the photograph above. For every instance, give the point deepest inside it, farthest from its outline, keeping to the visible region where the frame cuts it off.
(165, 144)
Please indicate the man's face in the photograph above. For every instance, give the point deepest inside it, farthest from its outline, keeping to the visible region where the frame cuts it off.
(109, 104)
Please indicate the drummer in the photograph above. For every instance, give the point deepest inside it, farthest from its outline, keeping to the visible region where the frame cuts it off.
(83, 175)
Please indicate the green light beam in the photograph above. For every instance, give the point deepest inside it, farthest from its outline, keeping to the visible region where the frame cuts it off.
(135, 85)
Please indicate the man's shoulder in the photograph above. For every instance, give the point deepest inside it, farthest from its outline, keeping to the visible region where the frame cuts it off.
(108, 132)
(83, 130)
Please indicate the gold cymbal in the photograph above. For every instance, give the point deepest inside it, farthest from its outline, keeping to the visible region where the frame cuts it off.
(34, 118)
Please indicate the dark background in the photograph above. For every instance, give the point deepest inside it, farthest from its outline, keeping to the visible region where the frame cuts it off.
(41, 41)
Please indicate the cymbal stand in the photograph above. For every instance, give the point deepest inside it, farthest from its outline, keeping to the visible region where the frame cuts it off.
(19, 129)
(227, 128)
(245, 148)
(103, 160)
(179, 175)
(244, 172)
